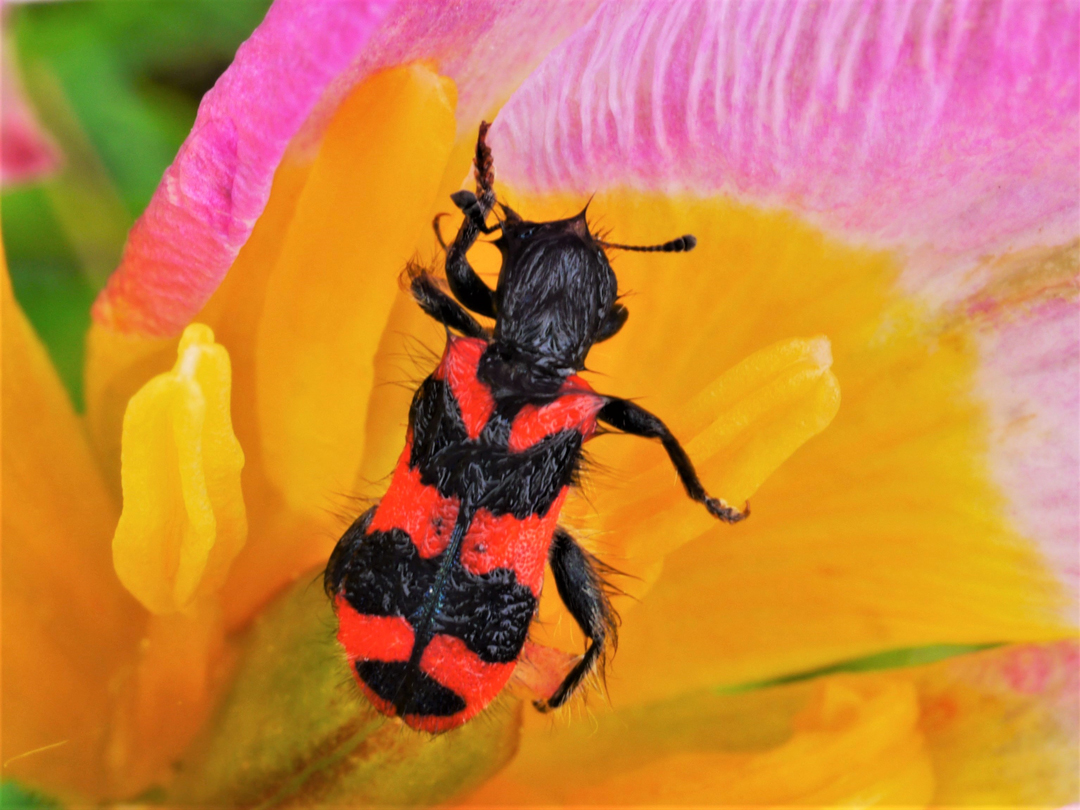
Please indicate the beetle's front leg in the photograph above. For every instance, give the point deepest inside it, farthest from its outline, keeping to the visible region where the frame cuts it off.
(485, 171)
(465, 284)
(440, 306)
(630, 418)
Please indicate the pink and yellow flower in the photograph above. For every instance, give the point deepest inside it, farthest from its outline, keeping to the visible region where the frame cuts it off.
(27, 152)
(877, 339)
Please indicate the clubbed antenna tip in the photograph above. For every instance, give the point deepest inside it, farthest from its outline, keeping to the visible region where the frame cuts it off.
(680, 245)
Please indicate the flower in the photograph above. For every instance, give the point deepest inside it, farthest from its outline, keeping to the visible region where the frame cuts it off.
(885, 204)
(26, 151)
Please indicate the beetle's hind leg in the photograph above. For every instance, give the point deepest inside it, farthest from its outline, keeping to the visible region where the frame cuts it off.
(440, 306)
(582, 588)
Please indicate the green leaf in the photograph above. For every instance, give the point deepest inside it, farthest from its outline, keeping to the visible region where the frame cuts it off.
(16, 797)
(116, 85)
(890, 659)
(47, 281)
(295, 732)
(134, 73)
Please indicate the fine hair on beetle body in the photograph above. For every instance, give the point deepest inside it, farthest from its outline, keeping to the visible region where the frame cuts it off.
(436, 586)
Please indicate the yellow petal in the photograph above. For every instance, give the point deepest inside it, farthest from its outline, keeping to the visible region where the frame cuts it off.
(68, 625)
(844, 741)
(412, 342)
(119, 364)
(279, 545)
(356, 223)
(164, 699)
(994, 728)
(183, 520)
(344, 214)
(854, 745)
(738, 431)
(886, 530)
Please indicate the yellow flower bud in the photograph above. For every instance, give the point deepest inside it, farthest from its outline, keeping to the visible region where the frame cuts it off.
(183, 520)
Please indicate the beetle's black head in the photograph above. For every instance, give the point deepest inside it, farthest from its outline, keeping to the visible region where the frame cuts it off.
(556, 291)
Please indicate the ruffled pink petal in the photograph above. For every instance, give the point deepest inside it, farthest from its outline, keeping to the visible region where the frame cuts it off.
(285, 82)
(488, 47)
(945, 131)
(1030, 382)
(951, 126)
(27, 152)
(208, 201)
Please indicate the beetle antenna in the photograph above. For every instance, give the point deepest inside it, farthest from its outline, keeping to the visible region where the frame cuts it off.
(680, 245)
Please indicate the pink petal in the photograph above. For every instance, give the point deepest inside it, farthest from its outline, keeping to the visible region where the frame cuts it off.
(27, 153)
(1030, 382)
(208, 200)
(946, 131)
(943, 125)
(1003, 725)
(487, 46)
(286, 81)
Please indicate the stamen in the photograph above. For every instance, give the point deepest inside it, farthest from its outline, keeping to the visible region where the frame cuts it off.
(183, 520)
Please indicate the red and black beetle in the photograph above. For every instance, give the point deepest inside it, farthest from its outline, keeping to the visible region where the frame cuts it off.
(435, 587)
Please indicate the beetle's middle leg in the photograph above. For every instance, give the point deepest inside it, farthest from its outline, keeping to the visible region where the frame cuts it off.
(584, 592)
(633, 419)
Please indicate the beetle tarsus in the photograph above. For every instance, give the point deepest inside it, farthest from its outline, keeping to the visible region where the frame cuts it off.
(720, 510)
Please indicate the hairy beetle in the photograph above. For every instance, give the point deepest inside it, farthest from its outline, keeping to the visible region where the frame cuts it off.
(435, 587)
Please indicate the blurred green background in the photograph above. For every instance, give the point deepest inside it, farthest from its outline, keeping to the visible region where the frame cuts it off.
(116, 83)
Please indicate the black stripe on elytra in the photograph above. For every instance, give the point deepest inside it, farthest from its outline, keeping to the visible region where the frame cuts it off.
(426, 697)
(482, 472)
(338, 565)
(423, 620)
(383, 574)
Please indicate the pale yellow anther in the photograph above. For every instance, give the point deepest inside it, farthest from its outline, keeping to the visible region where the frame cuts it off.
(183, 520)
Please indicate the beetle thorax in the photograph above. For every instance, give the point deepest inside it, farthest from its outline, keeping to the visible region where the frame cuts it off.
(554, 290)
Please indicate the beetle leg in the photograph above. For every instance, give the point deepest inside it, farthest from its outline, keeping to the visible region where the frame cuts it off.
(582, 588)
(485, 167)
(633, 419)
(465, 284)
(438, 231)
(440, 306)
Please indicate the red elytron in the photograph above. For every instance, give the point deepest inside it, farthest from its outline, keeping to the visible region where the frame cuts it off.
(435, 587)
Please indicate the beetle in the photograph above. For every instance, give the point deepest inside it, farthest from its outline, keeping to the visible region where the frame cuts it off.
(436, 586)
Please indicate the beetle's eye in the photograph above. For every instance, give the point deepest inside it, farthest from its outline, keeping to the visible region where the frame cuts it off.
(528, 232)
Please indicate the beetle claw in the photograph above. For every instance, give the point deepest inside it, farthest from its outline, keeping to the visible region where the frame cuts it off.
(720, 510)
